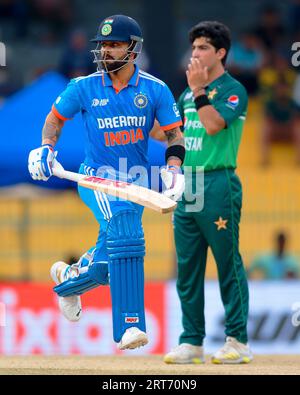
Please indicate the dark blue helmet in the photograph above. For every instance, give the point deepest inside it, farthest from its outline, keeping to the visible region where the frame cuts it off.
(119, 28)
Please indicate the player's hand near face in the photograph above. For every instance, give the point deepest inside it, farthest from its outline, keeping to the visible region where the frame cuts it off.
(197, 75)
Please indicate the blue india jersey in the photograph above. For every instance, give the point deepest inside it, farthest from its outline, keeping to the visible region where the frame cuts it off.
(118, 123)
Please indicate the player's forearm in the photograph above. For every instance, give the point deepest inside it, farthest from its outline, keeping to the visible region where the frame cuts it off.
(211, 120)
(208, 115)
(174, 137)
(52, 129)
(157, 133)
(175, 147)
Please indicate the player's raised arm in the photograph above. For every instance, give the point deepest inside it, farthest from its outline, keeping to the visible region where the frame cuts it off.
(197, 77)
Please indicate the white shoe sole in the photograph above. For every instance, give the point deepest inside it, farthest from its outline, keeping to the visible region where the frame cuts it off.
(194, 361)
(140, 340)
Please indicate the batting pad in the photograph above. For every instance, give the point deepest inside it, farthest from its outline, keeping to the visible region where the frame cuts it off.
(126, 250)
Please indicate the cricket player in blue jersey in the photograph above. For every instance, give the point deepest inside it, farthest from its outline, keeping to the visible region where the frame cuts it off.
(119, 104)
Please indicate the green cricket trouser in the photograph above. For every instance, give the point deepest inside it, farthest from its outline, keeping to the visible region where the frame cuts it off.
(215, 226)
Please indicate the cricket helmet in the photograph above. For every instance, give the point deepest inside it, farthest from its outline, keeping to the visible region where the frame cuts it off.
(118, 28)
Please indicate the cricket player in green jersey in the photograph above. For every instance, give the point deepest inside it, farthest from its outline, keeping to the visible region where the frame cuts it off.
(214, 109)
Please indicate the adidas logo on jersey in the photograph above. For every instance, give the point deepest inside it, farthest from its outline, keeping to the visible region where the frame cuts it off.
(100, 102)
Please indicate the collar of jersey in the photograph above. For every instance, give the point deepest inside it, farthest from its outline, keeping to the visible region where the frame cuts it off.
(217, 81)
(133, 80)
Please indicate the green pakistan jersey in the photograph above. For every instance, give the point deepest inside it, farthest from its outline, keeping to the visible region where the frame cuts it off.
(219, 151)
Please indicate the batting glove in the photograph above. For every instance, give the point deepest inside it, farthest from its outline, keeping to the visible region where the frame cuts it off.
(174, 182)
(40, 162)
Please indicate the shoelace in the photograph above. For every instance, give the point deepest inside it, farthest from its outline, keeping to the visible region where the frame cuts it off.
(229, 343)
(232, 343)
(179, 347)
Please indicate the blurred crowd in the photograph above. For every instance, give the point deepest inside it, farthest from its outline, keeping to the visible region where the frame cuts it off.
(261, 60)
(277, 264)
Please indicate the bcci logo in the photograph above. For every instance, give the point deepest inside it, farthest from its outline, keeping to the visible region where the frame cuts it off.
(106, 29)
(140, 100)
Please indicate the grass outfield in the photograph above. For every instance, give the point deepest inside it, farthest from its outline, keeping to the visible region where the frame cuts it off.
(150, 365)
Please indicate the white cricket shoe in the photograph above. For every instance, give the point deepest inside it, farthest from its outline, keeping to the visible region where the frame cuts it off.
(70, 306)
(185, 353)
(233, 352)
(133, 338)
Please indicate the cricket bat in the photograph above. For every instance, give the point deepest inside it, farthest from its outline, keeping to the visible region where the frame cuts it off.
(134, 193)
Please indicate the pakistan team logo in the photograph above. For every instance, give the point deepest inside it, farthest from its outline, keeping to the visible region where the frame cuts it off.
(106, 29)
(140, 100)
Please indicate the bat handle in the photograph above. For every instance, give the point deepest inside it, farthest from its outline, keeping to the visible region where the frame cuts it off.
(60, 172)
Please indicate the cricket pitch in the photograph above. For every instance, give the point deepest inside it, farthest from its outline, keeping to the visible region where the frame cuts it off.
(144, 365)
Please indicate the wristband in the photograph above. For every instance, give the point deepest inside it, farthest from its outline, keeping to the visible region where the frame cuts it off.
(175, 150)
(201, 101)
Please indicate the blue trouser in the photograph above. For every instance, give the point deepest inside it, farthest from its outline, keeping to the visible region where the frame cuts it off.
(117, 258)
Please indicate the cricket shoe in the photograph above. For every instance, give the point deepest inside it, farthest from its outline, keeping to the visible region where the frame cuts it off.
(185, 353)
(233, 352)
(70, 306)
(133, 338)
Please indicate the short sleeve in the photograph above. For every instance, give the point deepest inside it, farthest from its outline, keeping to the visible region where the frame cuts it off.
(68, 102)
(180, 107)
(233, 104)
(167, 112)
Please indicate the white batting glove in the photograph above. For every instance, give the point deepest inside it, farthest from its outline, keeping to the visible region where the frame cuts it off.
(40, 162)
(174, 182)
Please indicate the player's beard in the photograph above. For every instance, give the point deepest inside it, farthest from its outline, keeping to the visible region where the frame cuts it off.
(112, 66)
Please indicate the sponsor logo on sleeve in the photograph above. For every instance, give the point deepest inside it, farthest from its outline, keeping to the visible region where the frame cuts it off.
(176, 111)
(233, 102)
